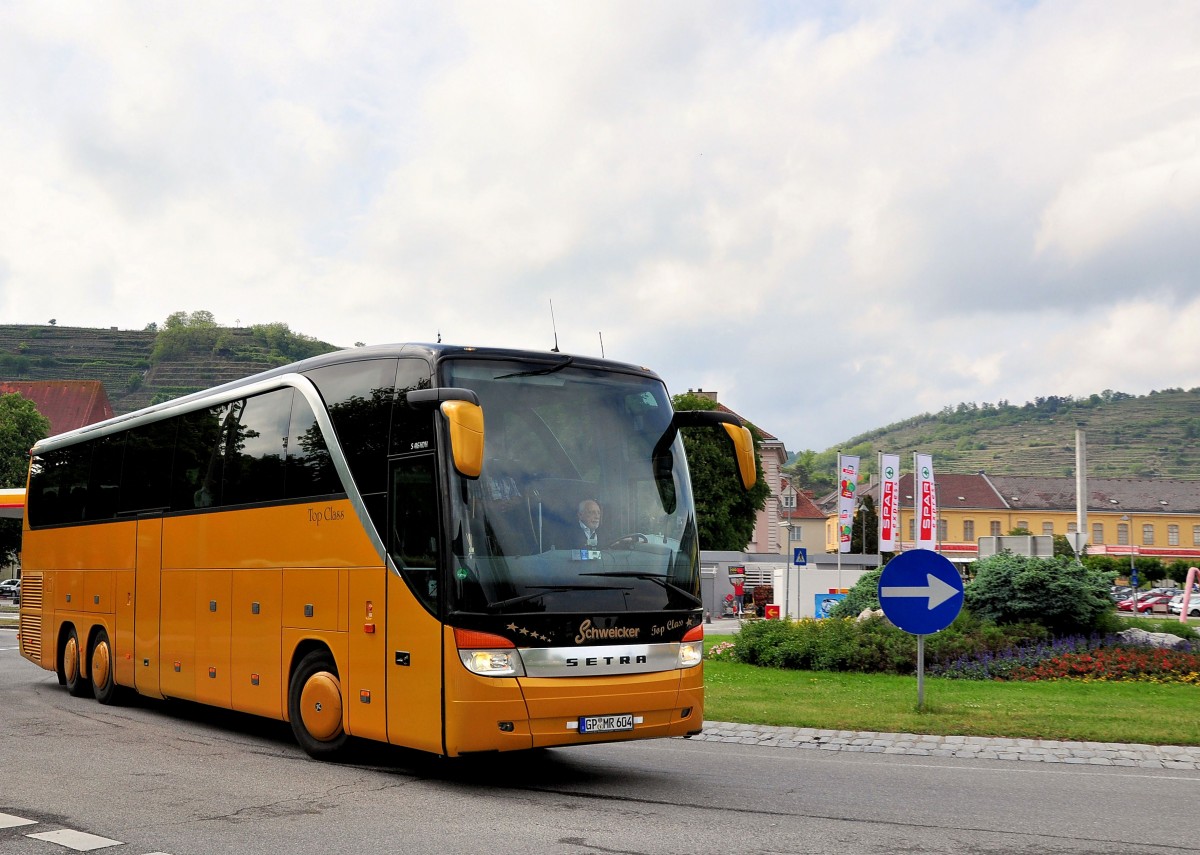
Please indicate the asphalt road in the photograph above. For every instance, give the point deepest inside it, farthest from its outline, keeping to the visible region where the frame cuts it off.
(154, 777)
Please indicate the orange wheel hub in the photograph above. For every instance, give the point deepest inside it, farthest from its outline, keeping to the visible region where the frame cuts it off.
(71, 660)
(321, 706)
(101, 665)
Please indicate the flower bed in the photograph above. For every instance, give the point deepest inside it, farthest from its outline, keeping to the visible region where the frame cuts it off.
(972, 652)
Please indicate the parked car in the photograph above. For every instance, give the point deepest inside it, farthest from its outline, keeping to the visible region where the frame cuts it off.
(1176, 605)
(8, 587)
(1144, 603)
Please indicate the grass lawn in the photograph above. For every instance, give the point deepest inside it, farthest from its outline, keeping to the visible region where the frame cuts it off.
(1161, 714)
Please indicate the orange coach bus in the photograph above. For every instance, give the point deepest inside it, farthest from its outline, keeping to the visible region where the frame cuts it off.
(336, 543)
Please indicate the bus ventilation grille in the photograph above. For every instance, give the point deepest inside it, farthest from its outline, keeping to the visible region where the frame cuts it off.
(30, 622)
(31, 636)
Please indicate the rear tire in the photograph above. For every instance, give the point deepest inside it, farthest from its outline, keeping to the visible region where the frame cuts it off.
(315, 706)
(72, 666)
(104, 687)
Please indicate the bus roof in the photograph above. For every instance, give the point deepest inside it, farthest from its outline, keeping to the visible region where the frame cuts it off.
(431, 352)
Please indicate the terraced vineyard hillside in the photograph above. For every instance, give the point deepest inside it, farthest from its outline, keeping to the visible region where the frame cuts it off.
(134, 374)
(1155, 435)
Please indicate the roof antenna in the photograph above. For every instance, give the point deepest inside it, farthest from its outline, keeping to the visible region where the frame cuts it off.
(601, 334)
(553, 326)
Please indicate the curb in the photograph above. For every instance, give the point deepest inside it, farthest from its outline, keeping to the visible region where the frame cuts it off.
(1176, 757)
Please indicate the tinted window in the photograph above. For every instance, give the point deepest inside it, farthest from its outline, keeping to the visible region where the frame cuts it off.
(310, 469)
(256, 435)
(58, 486)
(104, 483)
(196, 474)
(412, 428)
(413, 539)
(146, 473)
(358, 396)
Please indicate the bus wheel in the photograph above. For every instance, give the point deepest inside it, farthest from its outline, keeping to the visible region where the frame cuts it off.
(76, 683)
(315, 706)
(104, 687)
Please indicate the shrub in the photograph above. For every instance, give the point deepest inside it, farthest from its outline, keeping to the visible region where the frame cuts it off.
(1057, 593)
(864, 595)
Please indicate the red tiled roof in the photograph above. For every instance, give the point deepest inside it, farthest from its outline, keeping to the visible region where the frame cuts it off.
(68, 404)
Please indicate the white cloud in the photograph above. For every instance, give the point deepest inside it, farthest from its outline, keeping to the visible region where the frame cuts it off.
(837, 217)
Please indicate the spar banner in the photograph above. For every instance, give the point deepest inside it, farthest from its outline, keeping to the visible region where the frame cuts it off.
(847, 487)
(889, 502)
(926, 501)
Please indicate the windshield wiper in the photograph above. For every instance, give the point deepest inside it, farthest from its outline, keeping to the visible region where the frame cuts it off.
(550, 589)
(651, 577)
(538, 371)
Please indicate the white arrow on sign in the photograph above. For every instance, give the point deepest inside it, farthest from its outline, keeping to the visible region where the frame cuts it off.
(936, 590)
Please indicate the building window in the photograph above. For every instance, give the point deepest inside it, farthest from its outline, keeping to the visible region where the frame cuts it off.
(1123, 534)
(1048, 528)
(994, 528)
(1097, 533)
(968, 530)
(943, 530)
(1196, 535)
(1172, 535)
(1072, 528)
(912, 529)
(1147, 534)
(1024, 524)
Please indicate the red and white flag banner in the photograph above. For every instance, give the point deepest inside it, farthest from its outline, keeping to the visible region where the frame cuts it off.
(926, 501)
(889, 502)
(847, 492)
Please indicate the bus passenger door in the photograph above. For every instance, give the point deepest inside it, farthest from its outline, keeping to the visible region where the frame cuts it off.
(146, 586)
(414, 685)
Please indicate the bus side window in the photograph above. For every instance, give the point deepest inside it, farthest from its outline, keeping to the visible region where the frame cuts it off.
(146, 469)
(412, 427)
(413, 534)
(309, 471)
(255, 443)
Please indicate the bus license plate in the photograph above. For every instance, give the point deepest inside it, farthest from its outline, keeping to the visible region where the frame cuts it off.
(605, 723)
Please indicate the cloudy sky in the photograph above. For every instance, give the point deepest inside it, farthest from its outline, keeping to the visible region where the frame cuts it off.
(837, 215)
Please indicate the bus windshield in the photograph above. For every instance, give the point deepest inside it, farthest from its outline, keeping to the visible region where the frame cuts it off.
(583, 503)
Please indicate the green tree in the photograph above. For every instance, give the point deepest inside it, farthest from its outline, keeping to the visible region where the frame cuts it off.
(725, 512)
(1057, 593)
(864, 536)
(21, 425)
(814, 471)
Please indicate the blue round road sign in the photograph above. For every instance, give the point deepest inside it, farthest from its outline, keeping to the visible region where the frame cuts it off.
(920, 592)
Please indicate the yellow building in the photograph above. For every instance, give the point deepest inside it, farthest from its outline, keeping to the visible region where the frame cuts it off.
(1151, 517)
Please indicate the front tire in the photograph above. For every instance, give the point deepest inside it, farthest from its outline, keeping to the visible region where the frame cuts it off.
(72, 666)
(315, 706)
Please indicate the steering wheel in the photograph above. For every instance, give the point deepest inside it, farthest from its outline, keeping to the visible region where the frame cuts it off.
(628, 541)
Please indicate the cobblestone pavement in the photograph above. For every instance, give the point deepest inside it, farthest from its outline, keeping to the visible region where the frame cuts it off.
(1185, 758)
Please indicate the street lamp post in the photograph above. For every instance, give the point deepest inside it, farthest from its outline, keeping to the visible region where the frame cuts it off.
(1133, 579)
(787, 571)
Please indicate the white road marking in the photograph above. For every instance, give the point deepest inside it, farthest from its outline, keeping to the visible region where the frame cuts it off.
(80, 841)
(7, 820)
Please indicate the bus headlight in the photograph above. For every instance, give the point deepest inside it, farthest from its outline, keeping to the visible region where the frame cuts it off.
(691, 649)
(488, 655)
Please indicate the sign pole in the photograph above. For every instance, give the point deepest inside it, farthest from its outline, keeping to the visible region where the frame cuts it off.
(920, 672)
(920, 592)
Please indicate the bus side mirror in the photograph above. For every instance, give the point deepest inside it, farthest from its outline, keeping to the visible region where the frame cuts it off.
(466, 436)
(464, 417)
(739, 434)
(743, 448)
